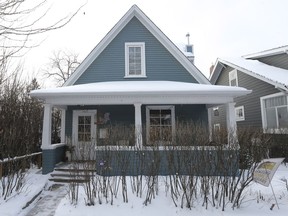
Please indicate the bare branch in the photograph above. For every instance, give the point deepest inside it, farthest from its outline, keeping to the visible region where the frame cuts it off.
(17, 24)
(61, 65)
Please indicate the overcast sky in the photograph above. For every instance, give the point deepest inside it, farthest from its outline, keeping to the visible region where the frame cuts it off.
(217, 28)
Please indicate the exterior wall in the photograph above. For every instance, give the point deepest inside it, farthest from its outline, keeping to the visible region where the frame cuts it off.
(280, 61)
(167, 162)
(160, 64)
(50, 157)
(251, 102)
(124, 114)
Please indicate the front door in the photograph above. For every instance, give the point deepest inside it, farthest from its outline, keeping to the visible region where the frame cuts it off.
(84, 132)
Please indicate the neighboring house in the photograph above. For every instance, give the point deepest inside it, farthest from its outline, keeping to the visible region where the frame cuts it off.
(266, 74)
(134, 76)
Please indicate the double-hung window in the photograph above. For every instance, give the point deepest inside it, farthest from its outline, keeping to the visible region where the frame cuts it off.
(239, 112)
(233, 78)
(160, 125)
(275, 112)
(135, 59)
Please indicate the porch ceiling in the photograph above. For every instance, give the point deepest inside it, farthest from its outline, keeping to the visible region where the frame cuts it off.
(144, 92)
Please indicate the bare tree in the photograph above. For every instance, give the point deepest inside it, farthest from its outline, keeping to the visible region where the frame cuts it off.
(62, 64)
(22, 19)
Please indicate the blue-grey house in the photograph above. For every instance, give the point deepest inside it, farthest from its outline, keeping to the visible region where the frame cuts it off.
(135, 76)
(266, 74)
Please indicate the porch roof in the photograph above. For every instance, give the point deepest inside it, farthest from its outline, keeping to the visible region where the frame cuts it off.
(131, 92)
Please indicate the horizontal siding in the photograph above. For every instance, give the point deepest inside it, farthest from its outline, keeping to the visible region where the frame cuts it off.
(251, 102)
(280, 61)
(125, 114)
(160, 64)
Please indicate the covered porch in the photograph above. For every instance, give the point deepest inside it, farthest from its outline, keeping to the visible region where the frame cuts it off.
(143, 98)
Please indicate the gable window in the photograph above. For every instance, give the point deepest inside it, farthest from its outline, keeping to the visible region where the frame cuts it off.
(233, 78)
(239, 112)
(160, 124)
(216, 111)
(135, 60)
(275, 112)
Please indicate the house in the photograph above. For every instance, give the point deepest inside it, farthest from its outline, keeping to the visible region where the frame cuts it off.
(135, 76)
(266, 74)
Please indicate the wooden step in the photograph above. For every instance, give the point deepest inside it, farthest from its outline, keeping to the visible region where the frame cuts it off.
(70, 175)
(69, 180)
(74, 170)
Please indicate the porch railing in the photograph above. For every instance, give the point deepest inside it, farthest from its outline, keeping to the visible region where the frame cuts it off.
(20, 162)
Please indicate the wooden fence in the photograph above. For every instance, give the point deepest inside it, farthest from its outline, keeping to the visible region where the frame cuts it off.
(9, 165)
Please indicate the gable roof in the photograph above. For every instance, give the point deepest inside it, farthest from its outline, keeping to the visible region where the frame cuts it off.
(266, 53)
(270, 74)
(134, 11)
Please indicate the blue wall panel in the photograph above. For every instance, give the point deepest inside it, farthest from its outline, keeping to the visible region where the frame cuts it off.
(160, 64)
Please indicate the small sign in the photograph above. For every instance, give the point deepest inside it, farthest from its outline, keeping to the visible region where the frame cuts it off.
(266, 169)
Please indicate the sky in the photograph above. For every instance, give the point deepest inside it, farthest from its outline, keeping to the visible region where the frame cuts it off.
(217, 28)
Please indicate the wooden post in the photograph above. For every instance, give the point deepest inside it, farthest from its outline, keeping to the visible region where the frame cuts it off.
(39, 161)
(1, 170)
(138, 125)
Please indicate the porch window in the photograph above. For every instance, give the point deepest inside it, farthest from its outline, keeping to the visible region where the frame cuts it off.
(160, 124)
(275, 112)
(239, 112)
(135, 60)
(233, 78)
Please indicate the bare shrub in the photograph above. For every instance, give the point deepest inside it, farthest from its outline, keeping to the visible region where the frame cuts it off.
(199, 171)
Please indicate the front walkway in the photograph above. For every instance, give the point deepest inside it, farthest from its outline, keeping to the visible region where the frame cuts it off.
(49, 201)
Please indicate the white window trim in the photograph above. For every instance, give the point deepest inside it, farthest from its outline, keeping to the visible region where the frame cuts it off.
(263, 113)
(243, 111)
(216, 111)
(76, 113)
(148, 108)
(236, 76)
(143, 60)
(216, 127)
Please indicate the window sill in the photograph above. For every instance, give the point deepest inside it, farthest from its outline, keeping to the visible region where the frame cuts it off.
(136, 76)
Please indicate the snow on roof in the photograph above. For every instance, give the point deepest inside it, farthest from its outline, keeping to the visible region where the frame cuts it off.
(140, 87)
(260, 70)
(265, 53)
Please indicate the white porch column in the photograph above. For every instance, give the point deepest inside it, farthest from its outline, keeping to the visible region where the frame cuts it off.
(209, 112)
(63, 119)
(47, 124)
(138, 125)
(231, 123)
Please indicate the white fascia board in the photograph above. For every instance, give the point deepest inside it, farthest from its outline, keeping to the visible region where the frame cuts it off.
(101, 46)
(172, 48)
(216, 71)
(253, 74)
(266, 53)
(166, 42)
(126, 100)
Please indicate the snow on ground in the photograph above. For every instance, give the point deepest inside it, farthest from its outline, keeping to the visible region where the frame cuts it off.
(35, 182)
(161, 205)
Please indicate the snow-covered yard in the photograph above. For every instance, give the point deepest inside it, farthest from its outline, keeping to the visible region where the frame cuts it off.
(257, 200)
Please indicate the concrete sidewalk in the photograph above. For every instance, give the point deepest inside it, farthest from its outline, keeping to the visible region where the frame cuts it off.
(48, 201)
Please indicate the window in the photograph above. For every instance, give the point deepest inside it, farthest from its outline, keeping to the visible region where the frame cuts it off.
(135, 60)
(160, 124)
(233, 79)
(239, 112)
(216, 111)
(275, 112)
(216, 127)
